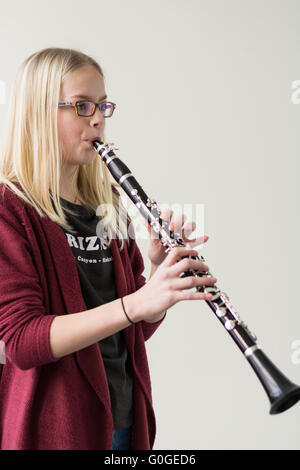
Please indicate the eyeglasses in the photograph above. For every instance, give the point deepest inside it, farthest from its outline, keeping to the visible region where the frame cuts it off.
(88, 108)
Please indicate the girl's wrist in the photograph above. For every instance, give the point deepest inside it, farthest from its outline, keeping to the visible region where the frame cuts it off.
(159, 317)
(153, 269)
(132, 306)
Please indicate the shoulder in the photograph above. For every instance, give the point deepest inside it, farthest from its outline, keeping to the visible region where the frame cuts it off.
(10, 195)
(12, 206)
(11, 198)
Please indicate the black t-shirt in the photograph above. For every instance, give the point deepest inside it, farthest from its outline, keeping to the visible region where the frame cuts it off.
(96, 274)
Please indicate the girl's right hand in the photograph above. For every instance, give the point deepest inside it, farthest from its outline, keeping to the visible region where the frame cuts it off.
(165, 288)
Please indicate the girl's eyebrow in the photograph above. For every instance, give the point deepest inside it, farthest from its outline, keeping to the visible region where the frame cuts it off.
(85, 97)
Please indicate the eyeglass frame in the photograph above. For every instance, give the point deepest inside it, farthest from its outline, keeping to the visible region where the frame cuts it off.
(75, 103)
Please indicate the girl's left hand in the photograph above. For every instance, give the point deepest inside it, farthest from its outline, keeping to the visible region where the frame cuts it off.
(156, 250)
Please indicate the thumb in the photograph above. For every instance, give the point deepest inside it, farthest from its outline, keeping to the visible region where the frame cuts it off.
(153, 233)
(147, 225)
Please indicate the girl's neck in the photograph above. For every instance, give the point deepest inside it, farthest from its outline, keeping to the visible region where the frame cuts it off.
(71, 197)
(68, 184)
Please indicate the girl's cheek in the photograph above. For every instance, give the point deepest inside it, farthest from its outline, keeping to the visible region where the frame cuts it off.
(66, 131)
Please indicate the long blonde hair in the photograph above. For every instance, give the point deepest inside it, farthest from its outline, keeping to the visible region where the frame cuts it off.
(31, 154)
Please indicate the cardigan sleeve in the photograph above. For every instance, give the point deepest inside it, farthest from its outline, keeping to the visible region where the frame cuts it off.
(24, 324)
(137, 264)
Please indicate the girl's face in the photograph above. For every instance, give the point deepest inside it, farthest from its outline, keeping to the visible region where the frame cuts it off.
(77, 132)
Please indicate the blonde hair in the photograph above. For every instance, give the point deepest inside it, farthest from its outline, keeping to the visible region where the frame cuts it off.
(31, 154)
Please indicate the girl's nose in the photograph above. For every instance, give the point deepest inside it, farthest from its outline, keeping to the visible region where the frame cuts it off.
(97, 118)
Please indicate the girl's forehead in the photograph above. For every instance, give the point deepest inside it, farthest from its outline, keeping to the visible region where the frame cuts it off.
(84, 81)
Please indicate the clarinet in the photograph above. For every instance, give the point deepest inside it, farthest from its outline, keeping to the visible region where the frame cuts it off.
(282, 393)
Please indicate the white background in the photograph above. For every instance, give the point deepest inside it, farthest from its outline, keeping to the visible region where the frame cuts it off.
(204, 116)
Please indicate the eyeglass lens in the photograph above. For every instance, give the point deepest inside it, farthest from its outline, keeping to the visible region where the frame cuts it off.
(87, 108)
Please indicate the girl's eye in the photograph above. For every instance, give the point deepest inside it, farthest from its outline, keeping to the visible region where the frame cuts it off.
(85, 107)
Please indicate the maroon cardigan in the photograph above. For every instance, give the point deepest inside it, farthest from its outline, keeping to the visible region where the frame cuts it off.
(49, 403)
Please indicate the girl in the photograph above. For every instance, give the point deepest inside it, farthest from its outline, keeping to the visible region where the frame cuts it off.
(75, 310)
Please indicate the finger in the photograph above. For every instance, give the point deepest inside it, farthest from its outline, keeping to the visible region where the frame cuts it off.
(192, 295)
(177, 224)
(176, 254)
(196, 241)
(188, 228)
(167, 215)
(185, 230)
(187, 264)
(147, 225)
(153, 234)
(193, 281)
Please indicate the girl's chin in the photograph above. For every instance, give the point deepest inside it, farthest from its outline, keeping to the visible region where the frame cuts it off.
(85, 157)
(89, 157)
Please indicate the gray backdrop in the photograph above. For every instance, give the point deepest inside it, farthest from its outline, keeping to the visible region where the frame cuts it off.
(206, 115)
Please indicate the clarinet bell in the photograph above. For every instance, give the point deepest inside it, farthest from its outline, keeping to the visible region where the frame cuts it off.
(282, 393)
(288, 397)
